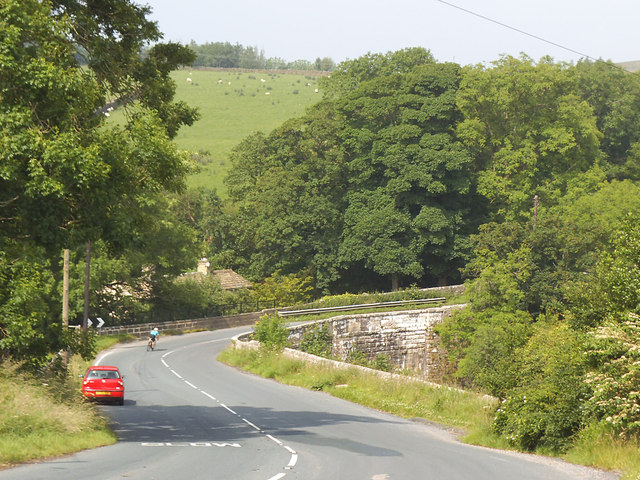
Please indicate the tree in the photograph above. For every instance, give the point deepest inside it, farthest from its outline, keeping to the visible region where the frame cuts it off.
(612, 291)
(65, 176)
(111, 34)
(371, 178)
(325, 64)
(408, 174)
(349, 74)
(377, 234)
(287, 191)
(529, 131)
(285, 290)
(612, 93)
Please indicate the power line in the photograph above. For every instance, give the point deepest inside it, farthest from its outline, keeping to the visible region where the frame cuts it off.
(518, 30)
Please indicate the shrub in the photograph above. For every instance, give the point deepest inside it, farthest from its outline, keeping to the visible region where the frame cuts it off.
(317, 341)
(271, 332)
(358, 357)
(285, 289)
(488, 360)
(480, 347)
(547, 408)
(615, 349)
(382, 362)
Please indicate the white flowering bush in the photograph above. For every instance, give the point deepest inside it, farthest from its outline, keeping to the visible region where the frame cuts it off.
(615, 349)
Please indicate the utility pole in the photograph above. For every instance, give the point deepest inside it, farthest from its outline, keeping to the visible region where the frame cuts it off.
(65, 290)
(87, 270)
(65, 299)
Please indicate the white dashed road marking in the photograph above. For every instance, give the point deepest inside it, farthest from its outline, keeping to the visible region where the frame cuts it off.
(189, 444)
(294, 455)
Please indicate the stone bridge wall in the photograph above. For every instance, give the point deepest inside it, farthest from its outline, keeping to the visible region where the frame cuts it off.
(406, 338)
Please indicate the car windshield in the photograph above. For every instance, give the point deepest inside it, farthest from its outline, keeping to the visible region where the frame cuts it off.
(96, 374)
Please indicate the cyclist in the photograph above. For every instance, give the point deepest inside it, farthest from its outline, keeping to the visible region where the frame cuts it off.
(153, 337)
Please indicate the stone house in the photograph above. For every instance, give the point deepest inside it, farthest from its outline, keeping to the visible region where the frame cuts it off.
(229, 280)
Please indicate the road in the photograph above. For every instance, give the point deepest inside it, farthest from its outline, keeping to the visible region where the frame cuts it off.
(186, 416)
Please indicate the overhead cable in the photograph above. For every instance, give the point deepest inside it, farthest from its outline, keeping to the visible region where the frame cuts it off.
(517, 30)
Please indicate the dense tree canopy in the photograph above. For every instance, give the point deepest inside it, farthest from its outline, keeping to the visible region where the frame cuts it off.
(408, 175)
(409, 157)
(371, 177)
(66, 177)
(529, 129)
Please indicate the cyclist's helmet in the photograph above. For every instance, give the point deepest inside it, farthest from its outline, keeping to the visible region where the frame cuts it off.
(155, 329)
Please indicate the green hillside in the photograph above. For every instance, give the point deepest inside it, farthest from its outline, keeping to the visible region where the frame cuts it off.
(233, 105)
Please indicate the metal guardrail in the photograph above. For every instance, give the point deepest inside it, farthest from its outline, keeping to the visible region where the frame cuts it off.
(344, 308)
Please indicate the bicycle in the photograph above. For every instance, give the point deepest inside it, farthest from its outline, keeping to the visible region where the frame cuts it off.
(151, 345)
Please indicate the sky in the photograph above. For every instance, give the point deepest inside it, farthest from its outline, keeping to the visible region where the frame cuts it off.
(566, 30)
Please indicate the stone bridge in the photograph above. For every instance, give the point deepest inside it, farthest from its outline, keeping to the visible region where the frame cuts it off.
(406, 338)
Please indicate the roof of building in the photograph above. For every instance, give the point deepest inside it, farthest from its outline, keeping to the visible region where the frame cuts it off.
(231, 280)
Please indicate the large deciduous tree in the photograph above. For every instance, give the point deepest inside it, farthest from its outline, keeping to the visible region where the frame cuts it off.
(287, 189)
(614, 94)
(372, 180)
(529, 129)
(66, 177)
(409, 187)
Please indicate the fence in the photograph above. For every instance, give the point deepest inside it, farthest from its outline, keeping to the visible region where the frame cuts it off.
(363, 306)
(167, 315)
(141, 330)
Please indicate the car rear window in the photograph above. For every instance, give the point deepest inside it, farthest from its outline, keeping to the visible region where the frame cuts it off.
(96, 374)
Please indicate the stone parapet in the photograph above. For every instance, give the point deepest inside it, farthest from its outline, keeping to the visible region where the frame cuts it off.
(407, 339)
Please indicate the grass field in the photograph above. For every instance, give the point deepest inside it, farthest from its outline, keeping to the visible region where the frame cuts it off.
(233, 105)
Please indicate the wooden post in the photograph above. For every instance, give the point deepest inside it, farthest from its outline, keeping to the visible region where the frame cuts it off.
(65, 300)
(65, 290)
(87, 270)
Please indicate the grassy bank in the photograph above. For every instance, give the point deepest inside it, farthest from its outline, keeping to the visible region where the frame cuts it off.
(466, 412)
(40, 419)
(44, 417)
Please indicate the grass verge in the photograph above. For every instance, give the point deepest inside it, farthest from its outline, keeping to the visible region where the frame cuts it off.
(598, 446)
(43, 417)
(468, 413)
(39, 419)
(465, 411)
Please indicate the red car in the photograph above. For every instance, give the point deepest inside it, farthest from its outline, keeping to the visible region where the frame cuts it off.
(102, 382)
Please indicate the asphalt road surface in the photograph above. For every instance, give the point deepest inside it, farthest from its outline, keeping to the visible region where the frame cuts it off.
(186, 416)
